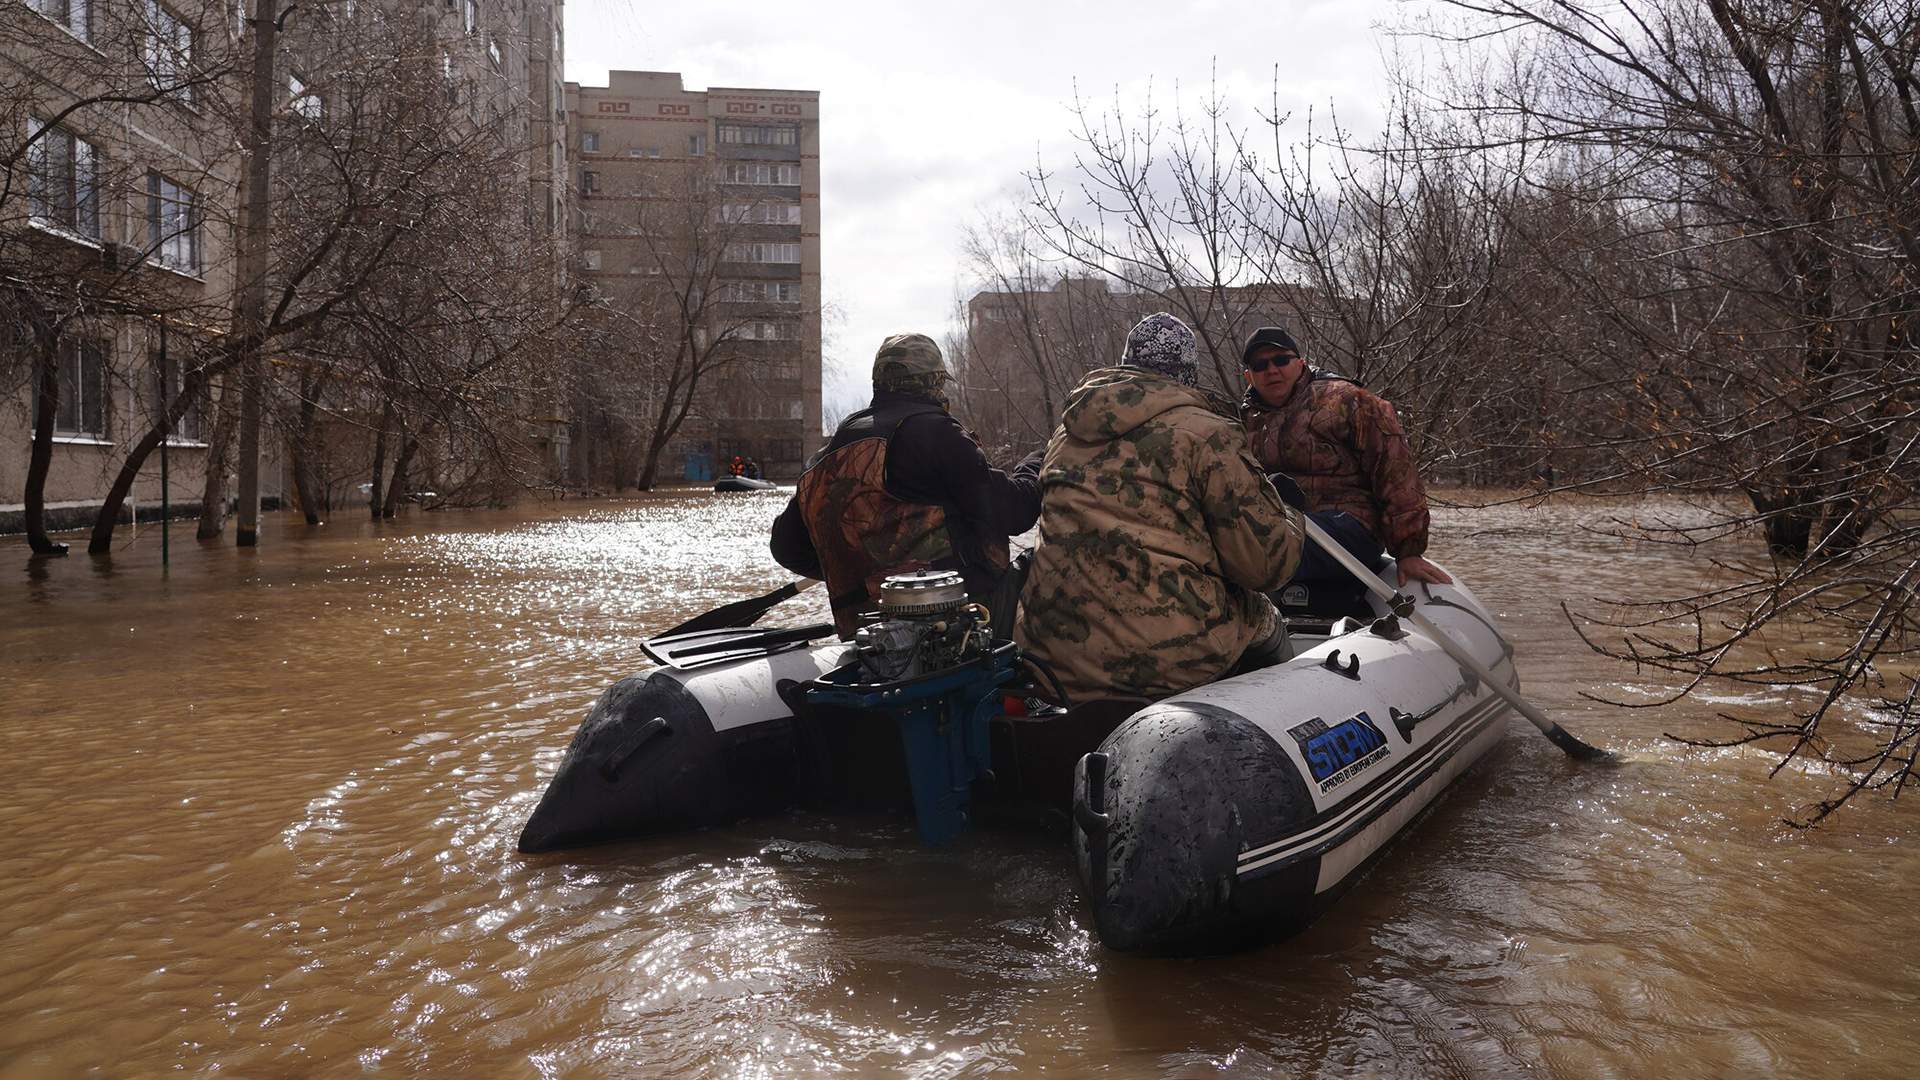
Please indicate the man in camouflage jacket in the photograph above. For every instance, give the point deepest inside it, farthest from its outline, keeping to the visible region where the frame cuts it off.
(1343, 446)
(901, 486)
(1159, 534)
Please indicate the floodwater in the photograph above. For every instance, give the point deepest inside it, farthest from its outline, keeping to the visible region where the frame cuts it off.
(258, 816)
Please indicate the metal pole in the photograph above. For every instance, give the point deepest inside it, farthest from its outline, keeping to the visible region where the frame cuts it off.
(166, 491)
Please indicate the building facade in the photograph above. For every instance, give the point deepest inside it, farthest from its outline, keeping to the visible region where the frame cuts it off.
(129, 116)
(698, 228)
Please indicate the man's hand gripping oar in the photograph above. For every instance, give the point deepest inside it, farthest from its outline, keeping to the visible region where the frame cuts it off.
(1402, 606)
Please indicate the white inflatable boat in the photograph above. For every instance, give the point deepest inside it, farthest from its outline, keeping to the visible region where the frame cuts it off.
(1230, 811)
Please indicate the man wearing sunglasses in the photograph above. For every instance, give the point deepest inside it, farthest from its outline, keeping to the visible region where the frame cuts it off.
(1343, 445)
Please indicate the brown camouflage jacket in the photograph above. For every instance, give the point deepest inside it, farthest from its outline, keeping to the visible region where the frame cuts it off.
(1346, 449)
(1159, 538)
(862, 532)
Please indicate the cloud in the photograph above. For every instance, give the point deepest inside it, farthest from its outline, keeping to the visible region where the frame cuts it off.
(929, 114)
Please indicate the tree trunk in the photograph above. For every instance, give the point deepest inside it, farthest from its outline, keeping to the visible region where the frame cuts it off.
(300, 449)
(650, 471)
(40, 461)
(213, 495)
(374, 501)
(397, 488)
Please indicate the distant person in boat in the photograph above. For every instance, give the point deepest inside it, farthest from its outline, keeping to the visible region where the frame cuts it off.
(902, 486)
(1344, 447)
(736, 466)
(1159, 534)
(751, 470)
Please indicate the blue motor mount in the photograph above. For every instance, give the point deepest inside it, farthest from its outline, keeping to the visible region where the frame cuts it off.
(930, 664)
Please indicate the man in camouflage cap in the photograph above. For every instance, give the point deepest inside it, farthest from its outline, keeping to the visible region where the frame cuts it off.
(902, 486)
(1159, 535)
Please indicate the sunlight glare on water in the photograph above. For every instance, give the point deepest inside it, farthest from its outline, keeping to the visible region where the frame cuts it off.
(262, 809)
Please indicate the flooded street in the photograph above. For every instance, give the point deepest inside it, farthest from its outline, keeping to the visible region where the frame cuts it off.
(260, 813)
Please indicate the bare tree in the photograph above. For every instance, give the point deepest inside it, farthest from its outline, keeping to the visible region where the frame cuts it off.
(1744, 179)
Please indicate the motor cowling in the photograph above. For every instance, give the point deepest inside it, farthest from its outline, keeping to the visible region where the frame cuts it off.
(924, 624)
(928, 661)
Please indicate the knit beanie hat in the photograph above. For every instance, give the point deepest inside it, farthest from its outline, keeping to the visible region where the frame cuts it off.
(1163, 344)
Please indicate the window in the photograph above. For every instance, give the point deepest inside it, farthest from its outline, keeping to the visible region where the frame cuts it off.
(72, 14)
(589, 182)
(784, 450)
(192, 425)
(697, 145)
(768, 331)
(760, 173)
(302, 102)
(761, 213)
(173, 224)
(758, 135)
(761, 292)
(80, 375)
(590, 142)
(763, 253)
(590, 260)
(168, 52)
(643, 151)
(63, 179)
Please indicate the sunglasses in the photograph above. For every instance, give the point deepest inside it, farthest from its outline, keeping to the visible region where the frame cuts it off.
(1259, 363)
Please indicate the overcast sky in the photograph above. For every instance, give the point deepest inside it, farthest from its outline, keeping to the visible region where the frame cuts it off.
(930, 113)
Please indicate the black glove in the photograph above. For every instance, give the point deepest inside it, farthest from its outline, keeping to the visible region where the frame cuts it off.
(1290, 492)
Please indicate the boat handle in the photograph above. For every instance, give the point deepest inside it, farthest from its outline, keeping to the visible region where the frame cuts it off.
(1089, 803)
(648, 732)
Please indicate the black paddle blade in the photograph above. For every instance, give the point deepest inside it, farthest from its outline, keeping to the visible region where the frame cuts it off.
(1578, 750)
(740, 612)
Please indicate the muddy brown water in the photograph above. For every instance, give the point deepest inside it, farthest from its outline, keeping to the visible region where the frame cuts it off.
(258, 816)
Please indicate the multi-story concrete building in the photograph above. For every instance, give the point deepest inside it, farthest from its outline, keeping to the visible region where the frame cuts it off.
(706, 203)
(122, 205)
(127, 115)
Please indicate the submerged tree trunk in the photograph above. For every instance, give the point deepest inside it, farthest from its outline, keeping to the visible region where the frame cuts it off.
(300, 449)
(46, 408)
(375, 504)
(398, 486)
(213, 496)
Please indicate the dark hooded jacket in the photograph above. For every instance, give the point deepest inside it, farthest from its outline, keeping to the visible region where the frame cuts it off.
(902, 486)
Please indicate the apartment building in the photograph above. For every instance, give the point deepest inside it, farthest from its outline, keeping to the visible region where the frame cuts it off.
(707, 199)
(119, 237)
(123, 205)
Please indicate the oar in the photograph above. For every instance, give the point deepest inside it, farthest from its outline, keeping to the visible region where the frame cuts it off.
(1402, 605)
(743, 612)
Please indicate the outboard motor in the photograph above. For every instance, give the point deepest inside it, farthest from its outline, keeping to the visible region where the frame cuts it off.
(930, 663)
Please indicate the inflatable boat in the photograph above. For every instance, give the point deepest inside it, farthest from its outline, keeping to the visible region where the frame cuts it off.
(742, 483)
(1232, 811)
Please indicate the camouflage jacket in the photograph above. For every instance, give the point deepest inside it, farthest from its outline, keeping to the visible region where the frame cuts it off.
(1347, 450)
(1159, 538)
(860, 531)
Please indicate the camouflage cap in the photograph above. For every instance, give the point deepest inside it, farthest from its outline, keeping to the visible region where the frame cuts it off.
(904, 356)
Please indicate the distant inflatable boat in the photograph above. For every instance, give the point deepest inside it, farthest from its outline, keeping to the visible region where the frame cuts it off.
(1230, 812)
(742, 483)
